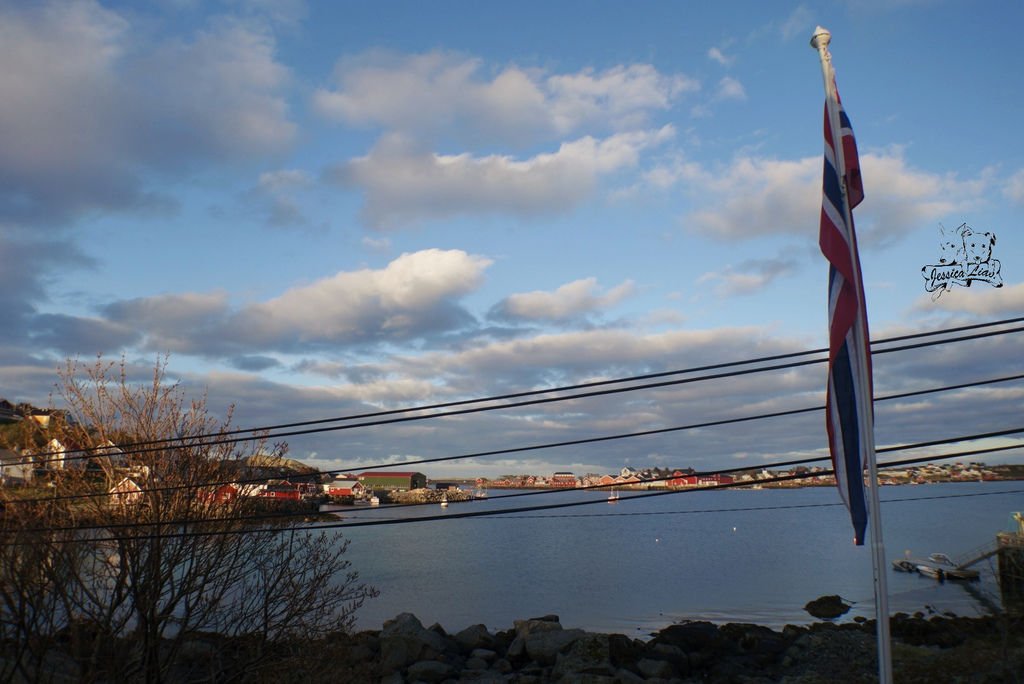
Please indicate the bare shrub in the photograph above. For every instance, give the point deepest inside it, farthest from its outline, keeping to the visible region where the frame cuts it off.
(165, 577)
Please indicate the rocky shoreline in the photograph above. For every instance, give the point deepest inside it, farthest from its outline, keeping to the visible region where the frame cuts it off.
(926, 649)
(539, 650)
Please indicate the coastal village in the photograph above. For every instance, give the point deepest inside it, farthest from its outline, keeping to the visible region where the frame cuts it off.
(287, 480)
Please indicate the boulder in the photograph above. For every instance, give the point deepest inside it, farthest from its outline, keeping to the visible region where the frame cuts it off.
(474, 637)
(484, 654)
(659, 669)
(429, 671)
(544, 647)
(548, 623)
(539, 639)
(689, 636)
(827, 607)
(590, 654)
(404, 640)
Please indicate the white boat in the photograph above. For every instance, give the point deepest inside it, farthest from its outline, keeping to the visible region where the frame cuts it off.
(937, 566)
(904, 565)
(374, 500)
(444, 501)
(613, 497)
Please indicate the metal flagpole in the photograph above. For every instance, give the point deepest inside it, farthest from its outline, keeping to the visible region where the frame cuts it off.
(820, 41)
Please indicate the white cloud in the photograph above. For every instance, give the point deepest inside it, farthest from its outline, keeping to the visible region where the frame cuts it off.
(286, 178)
(583, 352)
(730, 89)
(1014, 187)
(797, 23)
(277, 192)
(568, 302)
(376, 244)
(404, 185)
(86, 107)
(173, 323)
(720, 57)
(349, 305)
(220, 91)
(748, 276)
(754, 197)
(443, 92)
(414, 296)
(980, 300)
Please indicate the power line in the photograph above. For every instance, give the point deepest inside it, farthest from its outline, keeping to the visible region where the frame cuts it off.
(743, 509)
(130, 448)
(525, 403)
(451, 516)
(564, 443)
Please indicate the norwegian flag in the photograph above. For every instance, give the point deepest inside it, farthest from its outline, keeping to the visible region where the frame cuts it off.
(849, 413)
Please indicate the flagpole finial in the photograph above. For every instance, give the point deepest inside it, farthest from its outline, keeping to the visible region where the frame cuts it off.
(821, 38)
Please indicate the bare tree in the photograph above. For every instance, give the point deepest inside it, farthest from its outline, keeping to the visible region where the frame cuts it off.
(147, 562)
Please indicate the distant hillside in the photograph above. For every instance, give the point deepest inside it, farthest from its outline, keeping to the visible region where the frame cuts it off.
(262, 465)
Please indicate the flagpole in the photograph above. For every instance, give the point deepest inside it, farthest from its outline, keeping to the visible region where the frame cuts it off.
(820, 41)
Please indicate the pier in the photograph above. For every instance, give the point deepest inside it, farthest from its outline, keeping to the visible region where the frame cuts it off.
(1008, 547)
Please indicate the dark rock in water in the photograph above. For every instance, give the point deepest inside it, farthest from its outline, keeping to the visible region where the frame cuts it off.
(689, 636)
(827, 607)
(550, 617)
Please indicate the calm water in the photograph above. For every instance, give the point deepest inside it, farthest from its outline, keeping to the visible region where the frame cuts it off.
(638, 565)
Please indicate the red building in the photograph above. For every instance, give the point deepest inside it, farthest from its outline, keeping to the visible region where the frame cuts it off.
(223, 494)
(348, 489)
(289, 491)
(695, 480)
(563, 480)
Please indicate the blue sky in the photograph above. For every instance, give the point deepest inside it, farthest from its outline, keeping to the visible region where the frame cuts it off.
(318, 209)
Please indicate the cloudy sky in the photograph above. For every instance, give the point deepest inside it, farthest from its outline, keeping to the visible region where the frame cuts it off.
(321, 209)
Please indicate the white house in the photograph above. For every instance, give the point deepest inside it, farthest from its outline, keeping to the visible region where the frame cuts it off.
(15, 468)
(126, 492)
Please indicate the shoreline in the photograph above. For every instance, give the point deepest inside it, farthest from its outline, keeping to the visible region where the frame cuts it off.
(536, 650)
(925, 648)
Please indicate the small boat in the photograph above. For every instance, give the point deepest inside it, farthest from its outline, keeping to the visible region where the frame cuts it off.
(950, 569)
(374, 500)
(932, 571)
(444, 501)
(480, 493)
(937, 566)
(613, 497)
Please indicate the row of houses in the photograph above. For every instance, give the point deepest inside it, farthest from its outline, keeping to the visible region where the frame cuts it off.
(627, 478)
(128, 491)
(12, 413)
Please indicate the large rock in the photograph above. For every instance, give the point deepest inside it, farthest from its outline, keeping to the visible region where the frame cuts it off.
(429, 671)
(656, 669)
(596, 654)
(689, 636)
(827, 607)
(474, 637)
(544, 647)
(541, 639)
(404, 640)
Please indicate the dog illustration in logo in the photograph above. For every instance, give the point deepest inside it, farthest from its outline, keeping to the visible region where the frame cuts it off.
(977, 246)
(965, 257)
(951, 245)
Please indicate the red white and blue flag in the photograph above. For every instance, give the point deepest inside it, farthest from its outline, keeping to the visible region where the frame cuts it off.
(849, 414)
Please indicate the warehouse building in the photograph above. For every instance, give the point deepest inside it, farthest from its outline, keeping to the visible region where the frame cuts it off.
(392, 482)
